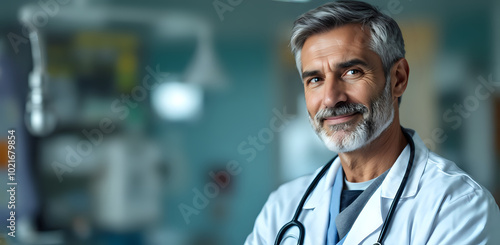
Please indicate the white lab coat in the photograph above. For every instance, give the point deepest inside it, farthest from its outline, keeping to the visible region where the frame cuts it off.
(441, 204)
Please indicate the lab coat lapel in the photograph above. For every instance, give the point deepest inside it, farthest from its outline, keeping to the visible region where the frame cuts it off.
(391, 184)
(315, 213)
(371, 217)
(369, 220)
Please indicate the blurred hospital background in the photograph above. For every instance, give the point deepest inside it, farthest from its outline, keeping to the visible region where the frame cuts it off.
(170, 122)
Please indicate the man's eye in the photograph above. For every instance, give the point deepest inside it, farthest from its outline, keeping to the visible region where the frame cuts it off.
(314, 80)
(353, 72)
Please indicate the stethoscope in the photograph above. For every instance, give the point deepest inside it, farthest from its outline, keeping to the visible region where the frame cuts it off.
(385, 226)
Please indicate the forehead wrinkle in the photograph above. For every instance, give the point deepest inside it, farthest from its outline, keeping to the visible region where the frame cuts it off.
(332, 63)
(350, 42)
(324, 57)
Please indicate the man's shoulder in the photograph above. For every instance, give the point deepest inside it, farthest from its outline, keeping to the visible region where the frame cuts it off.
(449, 206)
(444, 177)
(280, 206)
(294, 189)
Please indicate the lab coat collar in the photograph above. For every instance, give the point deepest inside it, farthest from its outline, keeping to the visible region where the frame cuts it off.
(388, 189)
(386, 192)
(323, 191)
(391, 183)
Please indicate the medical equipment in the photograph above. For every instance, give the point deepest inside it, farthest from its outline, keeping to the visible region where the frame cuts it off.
(385, 227)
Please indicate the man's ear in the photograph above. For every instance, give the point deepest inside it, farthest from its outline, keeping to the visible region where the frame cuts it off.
(400, 72)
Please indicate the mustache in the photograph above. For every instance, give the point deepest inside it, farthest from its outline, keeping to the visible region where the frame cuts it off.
(339, 109)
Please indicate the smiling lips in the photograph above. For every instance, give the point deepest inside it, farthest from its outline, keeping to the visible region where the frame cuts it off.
(339, 119)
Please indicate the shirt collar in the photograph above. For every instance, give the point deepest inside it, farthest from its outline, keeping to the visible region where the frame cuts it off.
(322, 192)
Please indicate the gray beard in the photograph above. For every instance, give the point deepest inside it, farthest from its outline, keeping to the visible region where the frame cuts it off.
(345, 138)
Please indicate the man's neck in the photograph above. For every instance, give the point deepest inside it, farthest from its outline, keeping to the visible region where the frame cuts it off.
(375, 158)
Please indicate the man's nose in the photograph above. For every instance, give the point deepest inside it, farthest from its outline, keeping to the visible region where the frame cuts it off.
(333, 91)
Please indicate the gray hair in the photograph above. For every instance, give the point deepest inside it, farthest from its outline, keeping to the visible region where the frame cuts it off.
(386, 38)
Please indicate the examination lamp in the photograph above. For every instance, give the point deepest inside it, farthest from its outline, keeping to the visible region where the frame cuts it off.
(177, 101)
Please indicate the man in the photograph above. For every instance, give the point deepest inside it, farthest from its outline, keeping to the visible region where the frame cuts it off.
(351, 59)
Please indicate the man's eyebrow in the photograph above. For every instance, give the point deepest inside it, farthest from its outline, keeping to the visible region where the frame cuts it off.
(310, 73)
(341, 65)
(350, 63)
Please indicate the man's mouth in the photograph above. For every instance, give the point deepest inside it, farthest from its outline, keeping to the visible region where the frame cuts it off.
(329, 121)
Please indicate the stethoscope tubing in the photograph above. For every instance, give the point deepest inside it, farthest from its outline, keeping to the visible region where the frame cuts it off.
(295, 220)
(388, 219)
(385, 226)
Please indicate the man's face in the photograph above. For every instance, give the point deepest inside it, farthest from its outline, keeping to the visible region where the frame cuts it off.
(345, 88)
